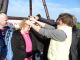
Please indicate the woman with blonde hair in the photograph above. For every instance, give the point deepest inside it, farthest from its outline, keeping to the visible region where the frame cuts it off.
(22, 43)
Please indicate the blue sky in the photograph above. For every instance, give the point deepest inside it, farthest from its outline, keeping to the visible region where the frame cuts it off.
(55, 7)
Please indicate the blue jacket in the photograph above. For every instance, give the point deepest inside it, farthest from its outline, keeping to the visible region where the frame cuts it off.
(8, 44)
(3, 48)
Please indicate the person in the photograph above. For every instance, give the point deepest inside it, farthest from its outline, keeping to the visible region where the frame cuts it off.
(73, 55)
(8, 37)
(42, 38)
(3, 28)
(74, 49)
(5, 35)
(61, 37)
(22, 46)
(23, 42)
(79, 44)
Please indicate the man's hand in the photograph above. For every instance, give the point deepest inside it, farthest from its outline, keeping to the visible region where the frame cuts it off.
(32, 18)
(29, 22)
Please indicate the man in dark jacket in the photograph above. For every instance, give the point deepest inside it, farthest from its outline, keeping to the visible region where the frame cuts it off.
(78, 44)
(3, 22)
(74, 46)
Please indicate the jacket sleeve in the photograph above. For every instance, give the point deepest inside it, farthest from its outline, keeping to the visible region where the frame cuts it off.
(39, 37)
(50, 22)
(55, 34)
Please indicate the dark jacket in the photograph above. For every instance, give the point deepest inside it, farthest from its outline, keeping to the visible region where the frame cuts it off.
(2, 36)
(18, 45)
(3, 48)
(79, 44)
(74, 46)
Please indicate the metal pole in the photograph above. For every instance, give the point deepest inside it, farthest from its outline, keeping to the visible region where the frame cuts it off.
(46, 10)
(1, 4)
(16, 18)
(30, 6)
(5, 6)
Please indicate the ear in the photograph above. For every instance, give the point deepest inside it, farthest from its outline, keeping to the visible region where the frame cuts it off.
(60, 22)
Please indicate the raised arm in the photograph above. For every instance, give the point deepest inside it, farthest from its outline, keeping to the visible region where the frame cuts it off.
(49, 33)
(50, 22)
(42, 24)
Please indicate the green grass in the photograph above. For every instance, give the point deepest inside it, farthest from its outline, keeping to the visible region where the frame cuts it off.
(78, 25)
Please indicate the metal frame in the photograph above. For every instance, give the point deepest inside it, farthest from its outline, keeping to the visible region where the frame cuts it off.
(4, 8)
(46, 9)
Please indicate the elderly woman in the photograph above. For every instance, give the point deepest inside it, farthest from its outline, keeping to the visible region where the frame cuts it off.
(22, 42)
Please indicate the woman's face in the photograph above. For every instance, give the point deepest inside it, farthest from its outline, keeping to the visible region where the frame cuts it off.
(3, 21)
(26, 28)
(59, 22)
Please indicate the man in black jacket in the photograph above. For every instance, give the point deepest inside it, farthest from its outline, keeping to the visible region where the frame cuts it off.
(3, 22)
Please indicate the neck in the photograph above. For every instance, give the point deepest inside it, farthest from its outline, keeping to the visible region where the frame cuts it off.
(61, 25)
(23, 31)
